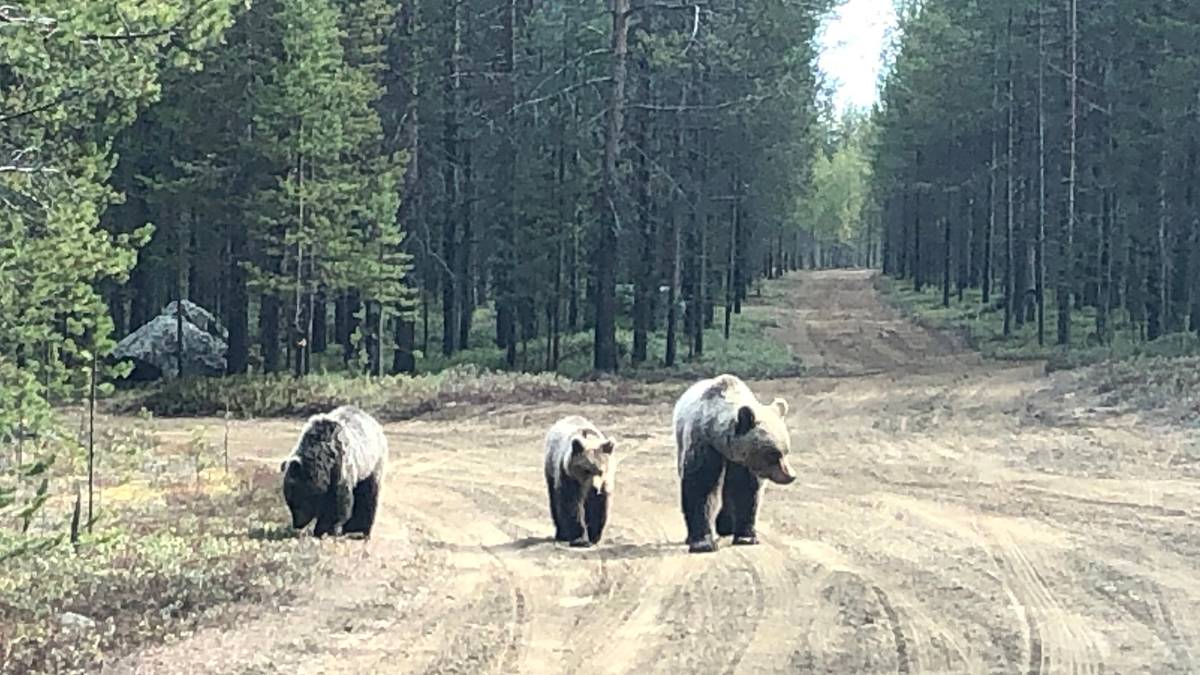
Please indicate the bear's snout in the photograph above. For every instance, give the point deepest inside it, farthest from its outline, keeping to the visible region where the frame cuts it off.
(781, 473)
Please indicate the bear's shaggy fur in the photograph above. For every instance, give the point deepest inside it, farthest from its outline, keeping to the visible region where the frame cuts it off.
(579, 476)
(727, 443)
(335, 473)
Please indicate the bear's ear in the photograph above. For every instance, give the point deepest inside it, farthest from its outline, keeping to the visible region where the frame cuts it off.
(576, 446)
(780, 405)
(283, 466)
(607, 447)
(745, 421)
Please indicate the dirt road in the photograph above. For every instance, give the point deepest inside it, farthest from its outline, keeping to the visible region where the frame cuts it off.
(937, 528)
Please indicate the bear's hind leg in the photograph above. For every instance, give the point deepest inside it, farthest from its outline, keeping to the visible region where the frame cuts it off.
(366, 504)
(701, 488)
(596, 514)
(554, 508)
(741, 492)
(726, 517)
(570, 512)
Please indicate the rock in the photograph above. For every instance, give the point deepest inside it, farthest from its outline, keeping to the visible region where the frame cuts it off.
(199, 317)
(73, 621)
(153, 348)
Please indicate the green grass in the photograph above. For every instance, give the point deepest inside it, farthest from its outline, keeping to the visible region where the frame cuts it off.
(983, 327)
(162, 561)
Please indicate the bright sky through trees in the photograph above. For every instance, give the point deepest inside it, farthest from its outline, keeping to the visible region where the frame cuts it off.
(852, 46)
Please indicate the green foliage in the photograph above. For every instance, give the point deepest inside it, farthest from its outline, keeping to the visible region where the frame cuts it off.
(329, 219)
(72, 75)
(1065, 128)
(981, 326)
(835, 209)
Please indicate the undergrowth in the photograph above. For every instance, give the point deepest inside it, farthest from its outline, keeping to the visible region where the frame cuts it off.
(395, 397)
(473, 377)
(983, 327)
(162, 562)
(1164, 387)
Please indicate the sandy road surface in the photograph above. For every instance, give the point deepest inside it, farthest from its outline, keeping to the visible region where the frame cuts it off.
(936, 528)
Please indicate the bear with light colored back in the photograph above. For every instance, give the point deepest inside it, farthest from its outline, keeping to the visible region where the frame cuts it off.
(728, 442)
(335, 473)
(579, 477)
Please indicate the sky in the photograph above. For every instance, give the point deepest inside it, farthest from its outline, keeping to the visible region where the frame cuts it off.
(852, 44)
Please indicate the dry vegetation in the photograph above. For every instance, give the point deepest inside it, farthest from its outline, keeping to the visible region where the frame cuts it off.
(390, 398)
(164, 558)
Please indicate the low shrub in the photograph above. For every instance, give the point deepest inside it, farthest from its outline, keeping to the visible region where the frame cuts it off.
(392, 398)
(165, 565)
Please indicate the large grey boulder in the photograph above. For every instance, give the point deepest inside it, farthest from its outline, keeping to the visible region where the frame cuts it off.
(154, 347)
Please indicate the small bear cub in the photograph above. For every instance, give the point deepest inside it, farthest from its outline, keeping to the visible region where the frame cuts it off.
(579, 477)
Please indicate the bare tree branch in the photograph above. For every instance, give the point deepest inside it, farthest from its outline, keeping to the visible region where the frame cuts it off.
(690, 108)
(695, 31)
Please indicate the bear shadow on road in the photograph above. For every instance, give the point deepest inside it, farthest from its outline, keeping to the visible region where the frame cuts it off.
(618, 551)
(273, 533)
(286, 533)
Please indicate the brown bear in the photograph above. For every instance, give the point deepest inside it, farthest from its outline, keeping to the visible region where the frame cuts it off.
(727, 443)
(579, 477)
(335, 473)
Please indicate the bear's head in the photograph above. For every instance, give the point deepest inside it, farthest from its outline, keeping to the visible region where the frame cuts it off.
(302, 494)
(591, 457)
(761, 440)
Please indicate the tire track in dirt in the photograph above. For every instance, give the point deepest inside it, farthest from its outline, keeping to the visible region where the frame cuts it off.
(851, 610)
(1057, 638)
(481, 607)
(1142, 599)
(583, 633)
(897, 630)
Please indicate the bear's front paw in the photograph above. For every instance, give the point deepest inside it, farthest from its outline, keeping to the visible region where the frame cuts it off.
(705, 545)
(581, 542)
(745, 540)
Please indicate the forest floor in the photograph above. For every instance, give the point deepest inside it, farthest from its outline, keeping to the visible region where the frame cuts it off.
(953, 515)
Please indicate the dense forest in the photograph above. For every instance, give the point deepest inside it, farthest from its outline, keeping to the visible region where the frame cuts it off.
(1043, 154)
(359, 183)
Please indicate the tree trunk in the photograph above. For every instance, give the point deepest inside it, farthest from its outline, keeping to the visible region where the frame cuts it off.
(411, 205)
(918, 270)
(967, 245)
(731, 272)
(675, 293)
(466, 250)
(1157, 280)
(947, 260)
(1040, 263)
(1010, 273)
(237, 305)
(644, 272)
(1194, 263)
(451, 178)
(989, 236)
(605, 345)
(1066, 281)
(676, 267)
(504, 256)
(319, 319)
(268, 333)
